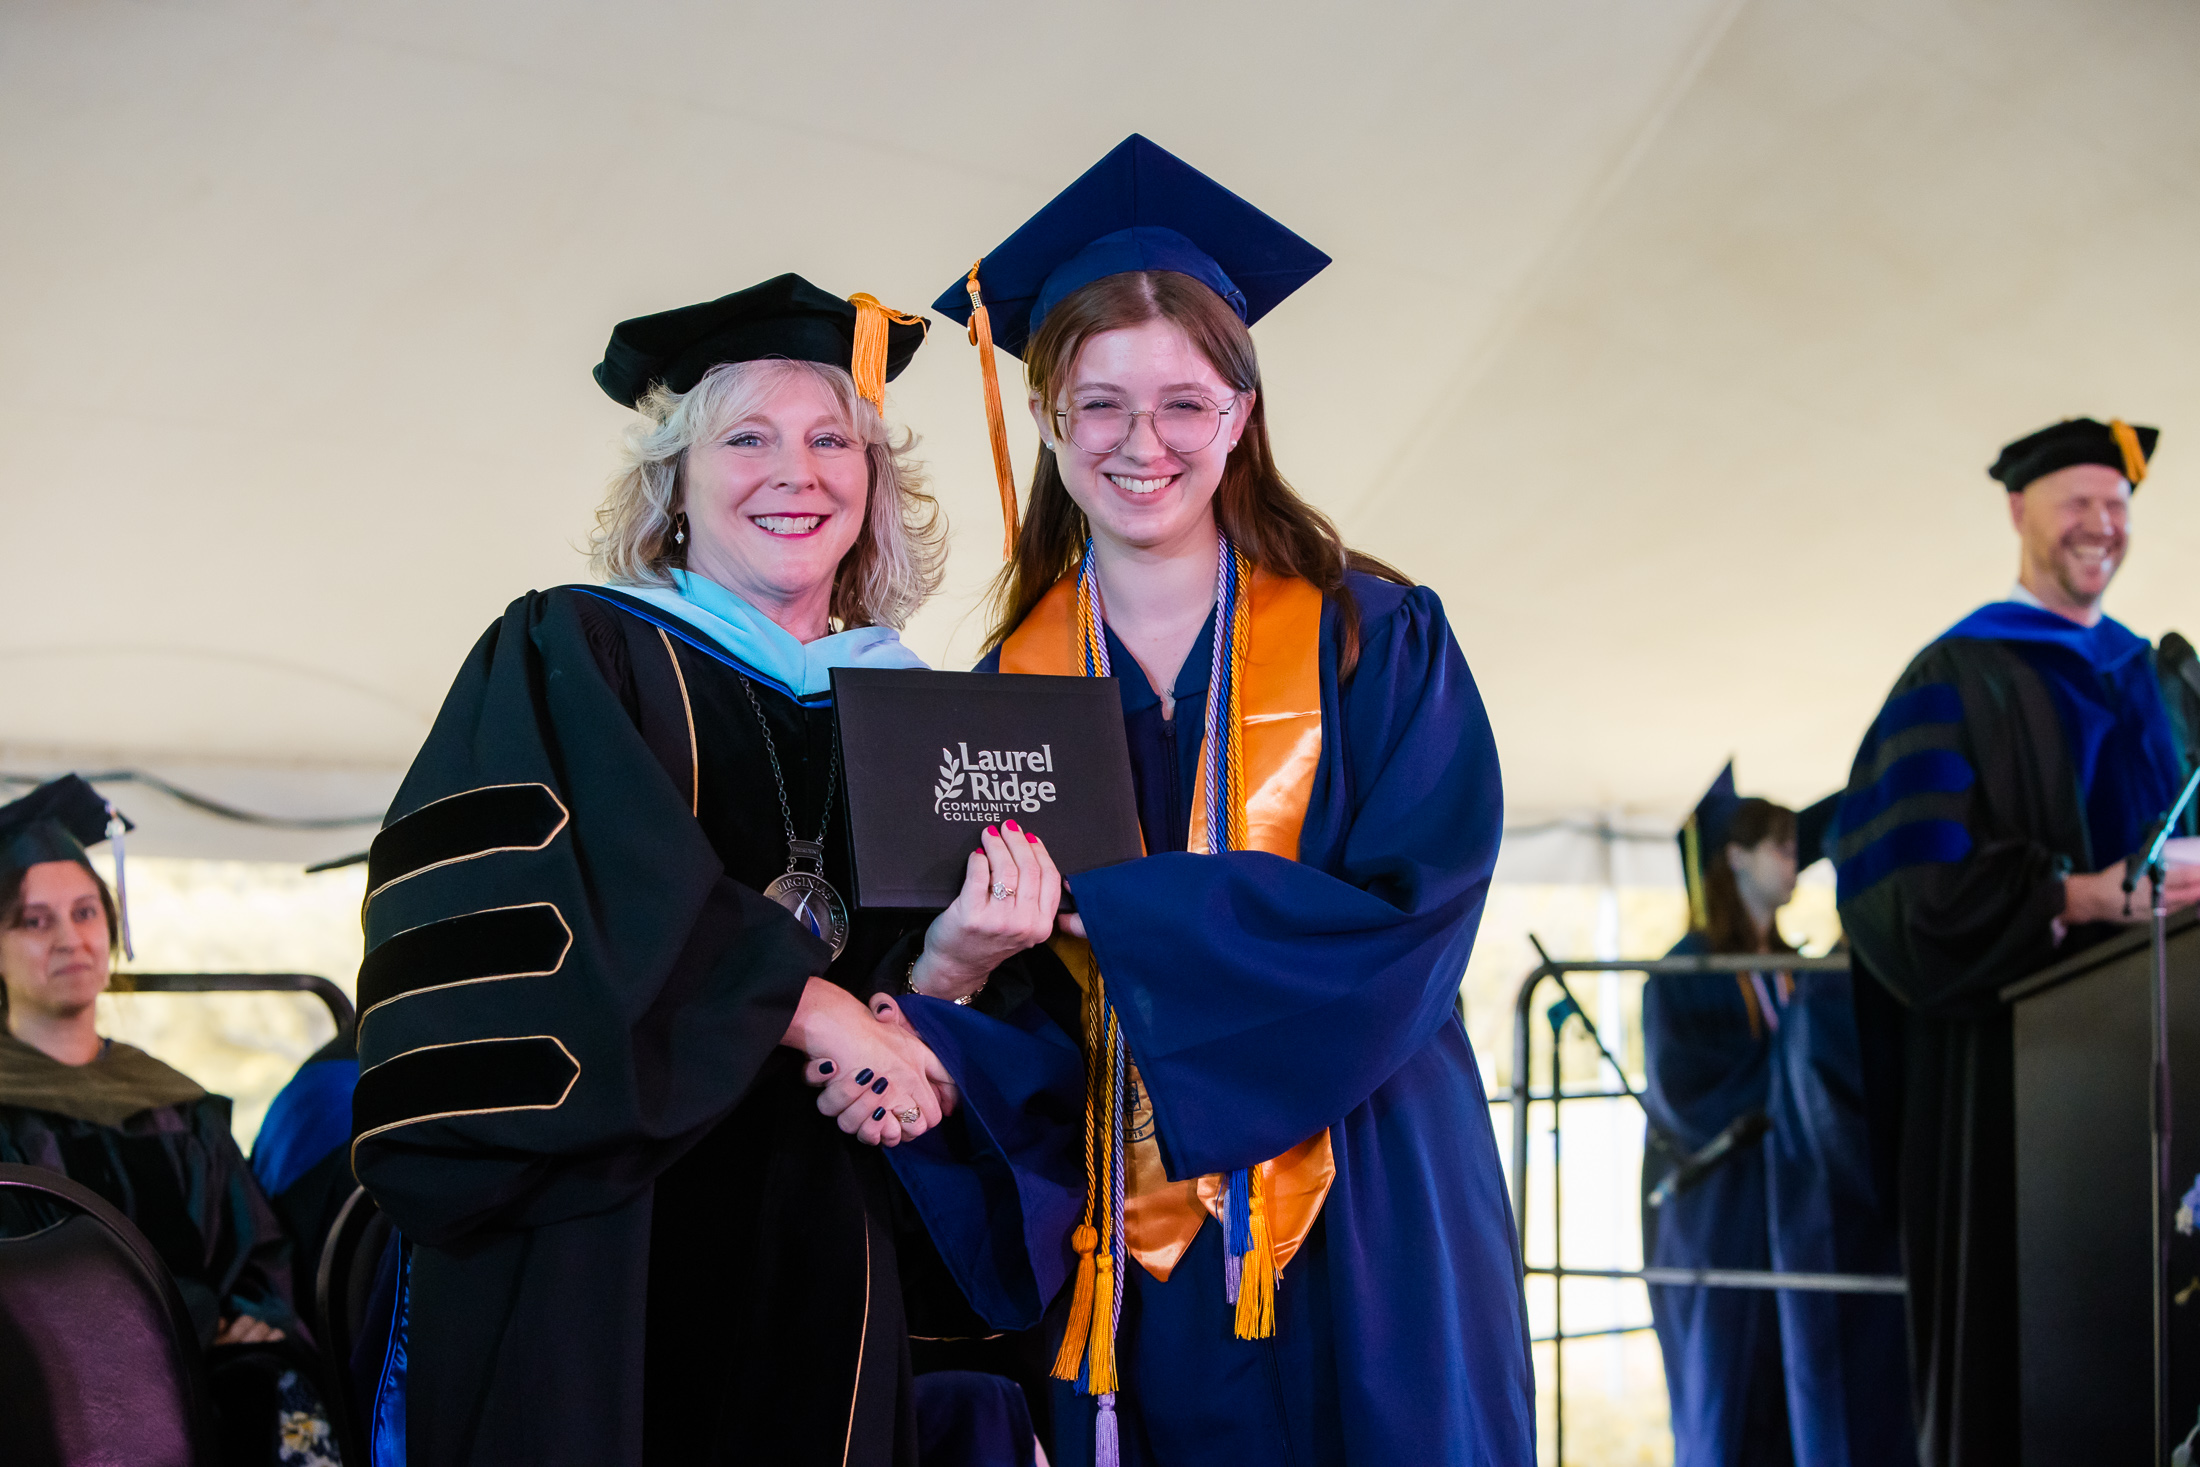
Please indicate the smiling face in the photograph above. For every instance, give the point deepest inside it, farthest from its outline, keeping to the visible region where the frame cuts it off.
(1144, 495)
(2074, 524)
(775, 500)
(54, 954)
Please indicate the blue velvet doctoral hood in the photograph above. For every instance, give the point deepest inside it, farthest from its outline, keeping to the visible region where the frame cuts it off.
(2102, 680)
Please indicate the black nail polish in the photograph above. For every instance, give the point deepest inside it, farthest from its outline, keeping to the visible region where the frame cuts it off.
(863, 1077)
(880, 1087)
(879, 1114)
(824, 1067)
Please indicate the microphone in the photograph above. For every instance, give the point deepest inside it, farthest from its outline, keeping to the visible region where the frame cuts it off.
(1746, 1129)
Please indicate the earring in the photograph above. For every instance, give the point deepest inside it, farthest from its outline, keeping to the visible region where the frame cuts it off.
(680, 528)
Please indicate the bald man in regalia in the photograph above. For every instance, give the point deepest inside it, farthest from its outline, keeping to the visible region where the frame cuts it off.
(2020, 760)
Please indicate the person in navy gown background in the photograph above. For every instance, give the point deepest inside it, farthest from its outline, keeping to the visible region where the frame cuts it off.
(1756, 1377)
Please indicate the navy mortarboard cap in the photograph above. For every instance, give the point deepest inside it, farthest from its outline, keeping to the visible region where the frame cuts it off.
(1705, 830)
(1814, 829)
(1139, 208)
(57, 822)
(2114, 444)
(785, 317)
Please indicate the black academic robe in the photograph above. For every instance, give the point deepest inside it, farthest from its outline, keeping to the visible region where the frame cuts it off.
(173, 1168)
(634, 1236)
(1964, 812)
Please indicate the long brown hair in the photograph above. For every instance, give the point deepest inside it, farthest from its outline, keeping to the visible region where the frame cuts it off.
(1727, 926)
(1256, 507)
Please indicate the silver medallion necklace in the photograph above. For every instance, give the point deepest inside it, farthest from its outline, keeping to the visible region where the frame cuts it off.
(807, 894)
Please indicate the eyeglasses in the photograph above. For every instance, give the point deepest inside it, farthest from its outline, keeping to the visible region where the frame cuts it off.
(1184, 425)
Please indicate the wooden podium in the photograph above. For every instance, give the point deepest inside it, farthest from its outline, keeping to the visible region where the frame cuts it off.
(2085, 1295)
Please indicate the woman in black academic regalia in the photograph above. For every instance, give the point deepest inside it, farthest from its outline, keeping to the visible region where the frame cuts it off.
(606, 926)
(111, 1117)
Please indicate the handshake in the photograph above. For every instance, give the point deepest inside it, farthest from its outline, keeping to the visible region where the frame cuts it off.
(892, 1088)
(878, 1080)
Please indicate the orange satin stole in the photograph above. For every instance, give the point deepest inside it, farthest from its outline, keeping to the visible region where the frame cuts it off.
(1281, 749)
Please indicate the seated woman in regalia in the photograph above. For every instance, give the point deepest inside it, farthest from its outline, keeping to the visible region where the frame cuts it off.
(146, 1137)
(608, 935)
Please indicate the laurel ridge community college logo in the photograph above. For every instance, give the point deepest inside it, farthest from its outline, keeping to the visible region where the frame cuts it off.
(992, 784)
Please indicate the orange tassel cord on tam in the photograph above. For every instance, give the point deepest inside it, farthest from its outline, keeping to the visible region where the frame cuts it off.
(981, 337)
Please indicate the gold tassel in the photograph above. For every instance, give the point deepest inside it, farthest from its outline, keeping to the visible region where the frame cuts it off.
(2127, 444)
(1256, 1300)
(981, 337)
(1699, 915)
(1101, 1375)
(867, 360)
(1084, 1240)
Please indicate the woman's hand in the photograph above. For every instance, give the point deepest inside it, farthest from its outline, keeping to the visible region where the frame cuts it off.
(888, 1012)
(878, 1078)
(982, 930)
(245, 1330)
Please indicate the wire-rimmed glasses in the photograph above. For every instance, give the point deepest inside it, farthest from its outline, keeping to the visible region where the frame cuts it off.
(1101, 425)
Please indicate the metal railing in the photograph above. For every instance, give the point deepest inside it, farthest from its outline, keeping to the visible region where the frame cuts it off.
(1523, 1096)
(332, 998)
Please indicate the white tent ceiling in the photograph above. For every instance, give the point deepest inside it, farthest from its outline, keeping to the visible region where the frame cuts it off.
(1666, 338)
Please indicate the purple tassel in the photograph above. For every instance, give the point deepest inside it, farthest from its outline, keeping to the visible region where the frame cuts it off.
(1233, 1269)
(1107, 1445)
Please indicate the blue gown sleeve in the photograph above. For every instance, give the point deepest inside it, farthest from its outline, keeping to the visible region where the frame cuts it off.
(1002, 1183)
(1263, 999)
(1705, 1065)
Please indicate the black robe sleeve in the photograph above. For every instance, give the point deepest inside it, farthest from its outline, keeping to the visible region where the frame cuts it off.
(1962, 817)
(562, 988)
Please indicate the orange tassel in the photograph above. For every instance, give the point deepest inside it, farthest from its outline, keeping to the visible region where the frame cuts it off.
(981, 337)
(1100, 1372)
(867, 359)
(1084, 1240)
(1256, 1300)
(2127, 444)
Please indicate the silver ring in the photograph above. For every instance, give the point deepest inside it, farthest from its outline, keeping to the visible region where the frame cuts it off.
(910, 1116)
(1002, 893)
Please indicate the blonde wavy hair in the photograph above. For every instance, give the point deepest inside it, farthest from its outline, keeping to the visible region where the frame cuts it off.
(897, 560)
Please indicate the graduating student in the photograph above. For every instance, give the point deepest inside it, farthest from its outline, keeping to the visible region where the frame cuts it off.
(2019, 760)
(1768, 1061)
(1292, 1242)
(606, 925)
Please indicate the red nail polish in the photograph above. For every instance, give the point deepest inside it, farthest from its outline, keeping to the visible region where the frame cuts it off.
(990, 830)
(1030, 837)
(1010, 825)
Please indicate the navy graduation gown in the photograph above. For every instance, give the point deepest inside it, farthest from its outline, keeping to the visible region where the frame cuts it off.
(1264, 1000)
(1754, 1376)
(2015, 749)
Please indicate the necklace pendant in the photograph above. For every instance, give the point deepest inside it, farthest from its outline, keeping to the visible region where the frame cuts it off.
(814, 903)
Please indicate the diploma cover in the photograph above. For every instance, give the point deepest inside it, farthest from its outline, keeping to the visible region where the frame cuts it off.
(932, 758)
